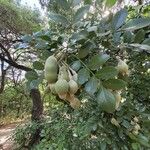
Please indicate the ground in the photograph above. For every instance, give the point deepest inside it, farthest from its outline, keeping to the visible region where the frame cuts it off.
(6, 133)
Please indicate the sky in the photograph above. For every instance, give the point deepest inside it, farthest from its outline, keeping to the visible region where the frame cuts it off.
(31, 3)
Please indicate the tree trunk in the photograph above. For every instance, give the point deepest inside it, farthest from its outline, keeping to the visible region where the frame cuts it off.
(140, 2)
(37, 107)
(37, 113)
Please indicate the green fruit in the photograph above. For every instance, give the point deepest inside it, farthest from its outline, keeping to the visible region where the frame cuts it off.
(51, 65)
(51, 69)
(73, 87)
(52, 88)
(51, 77)
(64, 73)
(61, 86)
(51, 59)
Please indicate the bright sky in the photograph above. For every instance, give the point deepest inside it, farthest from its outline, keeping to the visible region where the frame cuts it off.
(31, 3)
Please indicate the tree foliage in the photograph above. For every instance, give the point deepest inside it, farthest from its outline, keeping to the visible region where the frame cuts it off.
(92, 45)
(18, 18)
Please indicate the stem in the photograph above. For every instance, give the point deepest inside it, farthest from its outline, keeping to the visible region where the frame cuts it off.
(84, 65)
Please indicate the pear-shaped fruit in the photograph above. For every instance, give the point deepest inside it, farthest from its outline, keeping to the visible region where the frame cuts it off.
(51, 65)
(118, 98)
(123, 67)
(61, 86)
(64, 73)
(73, 87)
(50, 77)
(52, 88)
(51, 69)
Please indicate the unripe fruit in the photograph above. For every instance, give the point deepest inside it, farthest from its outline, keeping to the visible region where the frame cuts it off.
(61, 86)
(52, 88)
(50, 59)
(123, 67)
(135, 132)
(51, 69)
(137, 127)
(64, 73)
(118, 99)
(51, 77)
(136, 119)
(51, 64)
(115, 122)
(74, 75)
(73, 87)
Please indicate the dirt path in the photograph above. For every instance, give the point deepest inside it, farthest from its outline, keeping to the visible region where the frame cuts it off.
(5, 137)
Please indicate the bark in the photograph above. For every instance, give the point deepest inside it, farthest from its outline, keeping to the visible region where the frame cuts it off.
(2, 84)
(37, 108)
(37, 113)
(140, 2)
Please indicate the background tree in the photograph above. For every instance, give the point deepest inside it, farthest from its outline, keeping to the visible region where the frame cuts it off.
(92, 43)
(15, 22)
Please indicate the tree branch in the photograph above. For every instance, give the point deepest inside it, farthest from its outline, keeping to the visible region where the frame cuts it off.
(14, 64)
(6, 51)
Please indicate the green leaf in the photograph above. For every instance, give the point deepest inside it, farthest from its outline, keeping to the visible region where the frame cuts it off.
(79, 36)
(76, 2)
(87, 2)
(141, 47)
(107, 73)
(26, 38)
(76, 65)
(106, 100)
(146, 41)
(37, 34)
(32, 84)
(140, 139)
(117, 37)
(139, 37)
(92, 85)
(31, 75)
(45, 54)
(115, 84)
(81, 12)
(63, 4)
(45, 37)
(97, 61)
(82, 53)
(135, 146)
(38, 65)
(41, 45)
(135, 24)
(110, 3)
(126, 124)
(83, 76)
(92, 29)
(119, 19)
(85, 49)
(59, 19)
(127, 36)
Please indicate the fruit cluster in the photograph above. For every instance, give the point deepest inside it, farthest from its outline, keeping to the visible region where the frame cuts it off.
(62, 81)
